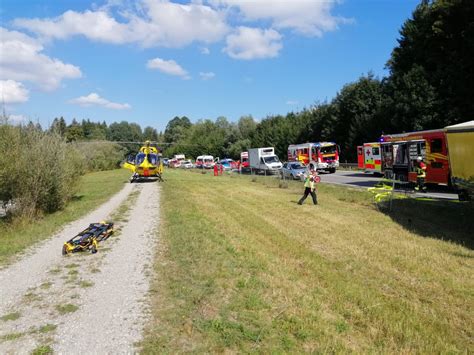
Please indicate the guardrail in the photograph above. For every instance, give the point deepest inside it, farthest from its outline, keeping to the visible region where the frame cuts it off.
(349, 166)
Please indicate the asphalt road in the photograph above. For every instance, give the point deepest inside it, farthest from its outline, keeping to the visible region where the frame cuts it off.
(363, 180)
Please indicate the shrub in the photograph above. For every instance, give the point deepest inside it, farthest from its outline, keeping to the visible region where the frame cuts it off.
(39, 171)
(101, 155)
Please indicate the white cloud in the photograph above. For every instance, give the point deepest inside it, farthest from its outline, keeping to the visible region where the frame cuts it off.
(205, 50)
(207, 75)
(253, 43)
(13, 92)
(94, 99)
(168, 67)
(292, 102)
(157, 23)
(22, 60)
(308, 17)
(96, 25)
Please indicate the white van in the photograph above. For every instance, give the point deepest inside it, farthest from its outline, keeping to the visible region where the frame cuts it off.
(264, 161)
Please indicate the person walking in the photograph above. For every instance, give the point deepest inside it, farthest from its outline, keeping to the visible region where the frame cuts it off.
(420, 169)
(310, 187)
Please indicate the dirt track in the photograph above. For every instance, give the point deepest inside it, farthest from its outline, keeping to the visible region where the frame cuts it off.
(84, 303)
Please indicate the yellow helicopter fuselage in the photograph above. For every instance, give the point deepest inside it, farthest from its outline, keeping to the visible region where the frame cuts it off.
(145, 164)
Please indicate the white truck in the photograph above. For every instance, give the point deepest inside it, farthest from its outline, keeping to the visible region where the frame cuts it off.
(264, 161)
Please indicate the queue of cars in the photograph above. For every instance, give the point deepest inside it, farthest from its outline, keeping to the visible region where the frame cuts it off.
(262, 160)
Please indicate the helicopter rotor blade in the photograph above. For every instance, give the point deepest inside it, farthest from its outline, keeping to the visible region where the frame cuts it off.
(140, 143)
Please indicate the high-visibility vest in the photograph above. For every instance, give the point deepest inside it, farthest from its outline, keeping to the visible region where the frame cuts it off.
(309, 183)
(420, 172)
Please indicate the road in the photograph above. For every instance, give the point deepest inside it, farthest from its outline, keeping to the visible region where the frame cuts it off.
(362, 180)
(84, 303)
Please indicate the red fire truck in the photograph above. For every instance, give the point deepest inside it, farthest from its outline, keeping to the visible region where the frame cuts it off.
(399, 153)
(320, 156)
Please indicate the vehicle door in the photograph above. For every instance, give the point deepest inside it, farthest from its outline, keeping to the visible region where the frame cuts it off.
(377, 156)
(437, 169)
(284, 170)
(415, 149)
(360, 157)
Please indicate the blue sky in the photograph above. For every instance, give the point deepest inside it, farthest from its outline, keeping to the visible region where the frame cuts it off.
(147, 61)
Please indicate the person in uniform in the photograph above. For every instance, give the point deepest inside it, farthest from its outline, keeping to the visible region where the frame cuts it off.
(420, 169)
(310, 187)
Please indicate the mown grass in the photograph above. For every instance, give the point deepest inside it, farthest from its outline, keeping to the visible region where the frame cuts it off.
(243, 268)
(95, 189)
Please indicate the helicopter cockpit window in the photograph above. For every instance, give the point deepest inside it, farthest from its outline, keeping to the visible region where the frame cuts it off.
(152, 159)
(131, 159)
(140, 158)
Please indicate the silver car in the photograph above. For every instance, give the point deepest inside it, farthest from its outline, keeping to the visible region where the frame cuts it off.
(293, 170)
(187, 164)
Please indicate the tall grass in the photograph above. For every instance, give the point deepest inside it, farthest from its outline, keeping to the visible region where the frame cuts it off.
(38, 171)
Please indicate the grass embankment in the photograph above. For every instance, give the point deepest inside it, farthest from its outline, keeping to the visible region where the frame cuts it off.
(242, 267)
(94, 189)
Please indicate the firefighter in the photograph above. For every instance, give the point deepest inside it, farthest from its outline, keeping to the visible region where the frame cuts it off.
(420, 169)
(310, 187)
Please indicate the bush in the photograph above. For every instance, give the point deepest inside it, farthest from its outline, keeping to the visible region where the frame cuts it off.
(39, 171)
(101, 156)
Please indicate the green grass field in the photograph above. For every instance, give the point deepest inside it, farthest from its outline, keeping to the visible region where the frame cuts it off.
(242, 268)
(94, 189)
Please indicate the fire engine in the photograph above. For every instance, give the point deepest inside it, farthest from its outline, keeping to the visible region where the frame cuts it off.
(319, 156)
(399, 153)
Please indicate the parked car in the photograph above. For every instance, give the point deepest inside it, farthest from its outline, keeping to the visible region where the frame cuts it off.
(173, 163)
(187, 164)
(293, 170)
(228, 164)
(166, 161)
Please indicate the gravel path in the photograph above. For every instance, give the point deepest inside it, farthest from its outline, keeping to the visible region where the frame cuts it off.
(84, 303)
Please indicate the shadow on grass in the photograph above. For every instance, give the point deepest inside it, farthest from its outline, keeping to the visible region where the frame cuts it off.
(445, 220)
(77, 197)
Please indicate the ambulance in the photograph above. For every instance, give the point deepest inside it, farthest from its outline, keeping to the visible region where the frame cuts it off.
(319, 156)
(369, 158)
(205, 162)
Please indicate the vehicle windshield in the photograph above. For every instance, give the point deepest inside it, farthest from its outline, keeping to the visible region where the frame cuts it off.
(272, 159)
(152, 159)
(139, 158)
(208, 160)
(186, 162)
(331, 149)
(297, 166)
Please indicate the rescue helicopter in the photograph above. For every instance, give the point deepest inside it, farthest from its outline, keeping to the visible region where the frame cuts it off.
(146, 164)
